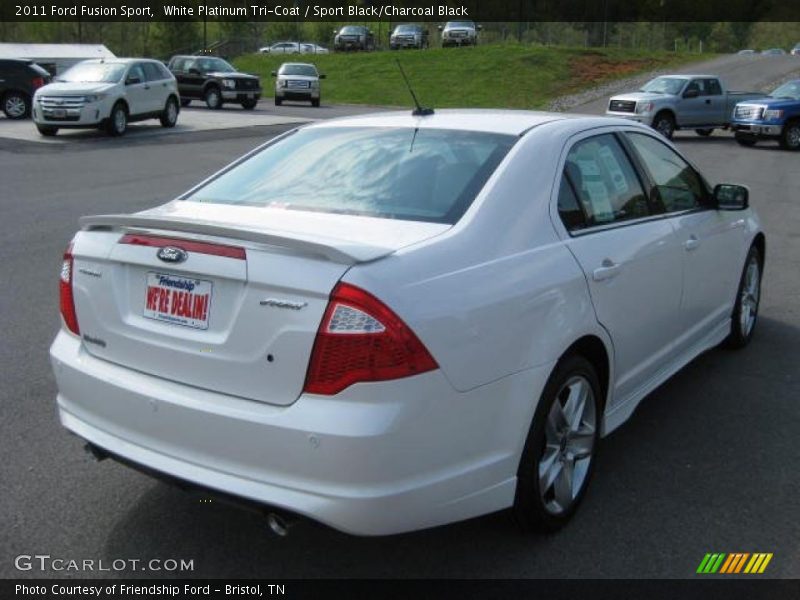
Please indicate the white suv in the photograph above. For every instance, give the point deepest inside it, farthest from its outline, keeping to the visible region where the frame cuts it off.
(107, 94)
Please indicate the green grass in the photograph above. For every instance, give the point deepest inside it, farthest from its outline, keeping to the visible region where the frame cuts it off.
(512, 76)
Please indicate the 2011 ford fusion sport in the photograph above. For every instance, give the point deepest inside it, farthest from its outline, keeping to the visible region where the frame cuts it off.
(390, 322)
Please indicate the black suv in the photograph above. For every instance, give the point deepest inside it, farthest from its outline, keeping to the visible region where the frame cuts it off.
(214, 80)
(18, 80)
(354, 37)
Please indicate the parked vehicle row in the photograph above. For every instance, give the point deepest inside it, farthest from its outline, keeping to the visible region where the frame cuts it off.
(294, 48)
(701, 102)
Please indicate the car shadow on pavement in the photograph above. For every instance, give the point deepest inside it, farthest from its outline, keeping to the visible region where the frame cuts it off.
(702, 462)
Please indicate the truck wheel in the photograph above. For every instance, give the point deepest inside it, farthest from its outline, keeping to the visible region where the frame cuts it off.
(278, 101)
(790, 136)
(250, 103)
(745, 140)
(213, 98)
(315, 102)
(704, 132)
(664, 123)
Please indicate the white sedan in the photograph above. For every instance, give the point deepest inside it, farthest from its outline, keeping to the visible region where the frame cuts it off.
(390, 322)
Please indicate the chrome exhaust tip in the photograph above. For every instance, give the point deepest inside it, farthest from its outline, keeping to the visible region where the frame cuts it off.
(280, 524)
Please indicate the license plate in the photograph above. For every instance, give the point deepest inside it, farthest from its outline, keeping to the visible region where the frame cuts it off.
(179, 300)
(59, 113)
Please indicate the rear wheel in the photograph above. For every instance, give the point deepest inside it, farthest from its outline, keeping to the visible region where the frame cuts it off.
(46, 130)
(745, 140)
(664, 123)
(213, 98)
(704, 132)
(748, 297)
(250, 103)
(16, 105)
(169, 117)
(117, 122)
(790, 136)
(558, 458)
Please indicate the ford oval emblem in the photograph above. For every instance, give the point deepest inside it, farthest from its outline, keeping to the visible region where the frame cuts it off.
(172, 254)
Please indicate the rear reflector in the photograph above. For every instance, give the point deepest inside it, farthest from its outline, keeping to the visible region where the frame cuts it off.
(361, 339)
(157, 241)
(37, 82)
(66, 299)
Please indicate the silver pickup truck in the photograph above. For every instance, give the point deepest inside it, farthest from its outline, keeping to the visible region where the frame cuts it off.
(671, 102)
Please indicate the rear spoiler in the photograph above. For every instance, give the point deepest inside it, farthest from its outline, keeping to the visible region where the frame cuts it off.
(338, 251)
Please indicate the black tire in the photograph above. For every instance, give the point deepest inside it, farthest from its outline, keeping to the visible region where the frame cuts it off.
(278, 101)
(117, 123)
(213, 97)
(790, 136)
(315, 102)
(47, 130)
(17, 105)
(704, 132)
(745, 140)
(743, 324)
(169, 117)
(664, 123)
(185, 102)
(250, 103)
(533, 509)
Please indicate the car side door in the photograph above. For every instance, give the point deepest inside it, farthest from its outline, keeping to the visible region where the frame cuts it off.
(691, 106)
(630, 257)
(157, 86)
(715, 103)
(137, 90)
(711, 240)
(193, 79)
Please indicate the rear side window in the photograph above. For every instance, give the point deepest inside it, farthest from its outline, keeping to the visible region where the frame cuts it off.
(604, 182)
(713, 87)
(152, 72)
(678, 187)
(396, 173)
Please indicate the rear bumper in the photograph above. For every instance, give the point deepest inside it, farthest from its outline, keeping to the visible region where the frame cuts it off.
(376, 459)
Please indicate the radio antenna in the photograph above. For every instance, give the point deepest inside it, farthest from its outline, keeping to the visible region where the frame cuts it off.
(419, 111)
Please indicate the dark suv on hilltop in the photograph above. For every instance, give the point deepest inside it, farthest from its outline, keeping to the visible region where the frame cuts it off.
(18, 80)
(354, 37)
(409, 35)
(215, 81)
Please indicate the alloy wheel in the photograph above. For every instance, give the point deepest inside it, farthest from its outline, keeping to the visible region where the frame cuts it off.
(15, 107)
(568, 445)
(751, 292)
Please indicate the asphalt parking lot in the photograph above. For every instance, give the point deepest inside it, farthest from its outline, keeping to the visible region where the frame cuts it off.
(708, 463)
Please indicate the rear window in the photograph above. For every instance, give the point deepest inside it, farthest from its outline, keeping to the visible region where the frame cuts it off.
(396, 173)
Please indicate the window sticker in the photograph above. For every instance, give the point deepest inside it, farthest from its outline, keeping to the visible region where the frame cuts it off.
(602, 210)
(588, 167)
(614, 170)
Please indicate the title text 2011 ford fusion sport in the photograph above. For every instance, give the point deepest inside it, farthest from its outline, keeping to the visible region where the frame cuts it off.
(391, 322)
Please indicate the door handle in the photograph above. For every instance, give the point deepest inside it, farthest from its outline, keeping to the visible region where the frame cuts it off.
(608, 270)
(692, 243)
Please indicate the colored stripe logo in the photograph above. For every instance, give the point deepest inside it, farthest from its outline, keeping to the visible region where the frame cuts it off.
(734, 563)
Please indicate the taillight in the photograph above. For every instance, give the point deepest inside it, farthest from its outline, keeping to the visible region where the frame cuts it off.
(361, 339)
(67, 302)
(37, 82)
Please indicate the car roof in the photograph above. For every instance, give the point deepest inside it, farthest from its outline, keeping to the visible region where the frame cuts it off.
(124, 61)
(508, 122)
(690, 76)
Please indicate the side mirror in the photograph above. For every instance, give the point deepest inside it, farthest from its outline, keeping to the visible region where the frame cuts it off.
(691, 93)
(194, 71)
(439, 27)
(274, 73)
(322, 75)
(729, 196)
(480, 27)
(133, 80)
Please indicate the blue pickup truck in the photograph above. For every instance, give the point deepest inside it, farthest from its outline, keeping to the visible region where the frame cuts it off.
(773, 117)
